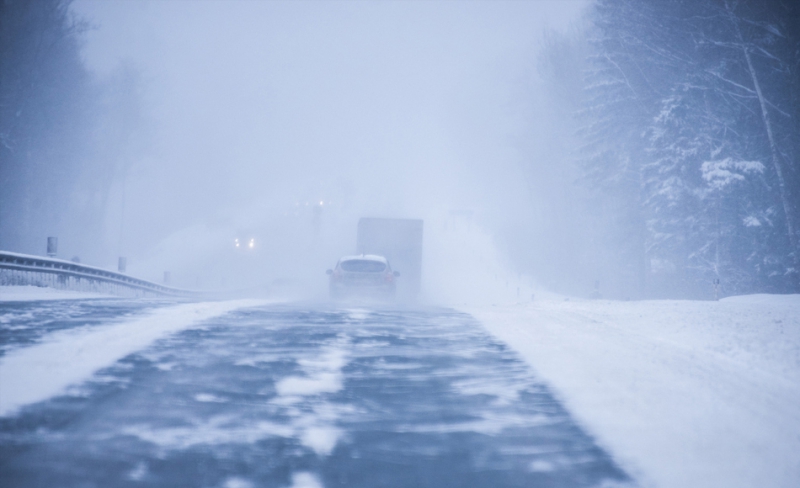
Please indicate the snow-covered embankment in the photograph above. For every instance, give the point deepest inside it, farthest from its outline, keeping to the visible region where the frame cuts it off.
(683, 393)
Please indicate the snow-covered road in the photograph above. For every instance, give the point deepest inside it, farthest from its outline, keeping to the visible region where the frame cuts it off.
(73, 354)
(288, 395)
(675, 393)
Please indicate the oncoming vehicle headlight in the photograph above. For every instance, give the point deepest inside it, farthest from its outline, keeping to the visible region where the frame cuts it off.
(244, 244)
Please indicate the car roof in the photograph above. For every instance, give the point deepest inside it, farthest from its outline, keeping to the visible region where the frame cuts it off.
(365, 257)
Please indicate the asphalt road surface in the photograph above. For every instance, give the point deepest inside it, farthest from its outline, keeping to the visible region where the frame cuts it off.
(299, 396)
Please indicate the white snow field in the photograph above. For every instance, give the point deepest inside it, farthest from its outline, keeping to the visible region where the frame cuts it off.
(682, 393)
(65, 358)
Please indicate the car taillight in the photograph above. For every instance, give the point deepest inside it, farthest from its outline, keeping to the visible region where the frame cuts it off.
(389, 277)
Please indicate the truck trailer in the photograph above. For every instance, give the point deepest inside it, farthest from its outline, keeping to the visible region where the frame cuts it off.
(399, 241)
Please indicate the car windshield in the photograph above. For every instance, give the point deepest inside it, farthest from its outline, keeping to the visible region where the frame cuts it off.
(363, 266)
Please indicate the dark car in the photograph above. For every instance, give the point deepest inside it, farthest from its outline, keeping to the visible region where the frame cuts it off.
(364, 276)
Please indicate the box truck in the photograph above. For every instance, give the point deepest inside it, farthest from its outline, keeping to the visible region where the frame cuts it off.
(399, 241)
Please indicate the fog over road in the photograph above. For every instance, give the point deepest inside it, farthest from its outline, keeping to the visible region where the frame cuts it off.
(298, 395)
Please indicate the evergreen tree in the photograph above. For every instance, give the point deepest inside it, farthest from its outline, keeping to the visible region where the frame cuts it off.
(690, 138)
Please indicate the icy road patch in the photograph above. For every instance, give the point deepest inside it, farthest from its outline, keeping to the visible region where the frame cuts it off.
(64, 358)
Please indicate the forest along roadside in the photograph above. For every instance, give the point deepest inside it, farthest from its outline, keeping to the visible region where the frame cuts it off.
(682, 393)
(301, 395)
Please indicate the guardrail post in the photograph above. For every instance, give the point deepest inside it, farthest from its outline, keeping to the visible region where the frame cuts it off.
(122, 264)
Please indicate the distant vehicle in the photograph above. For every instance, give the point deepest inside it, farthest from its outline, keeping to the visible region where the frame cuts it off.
(363, 276)
(244, 244)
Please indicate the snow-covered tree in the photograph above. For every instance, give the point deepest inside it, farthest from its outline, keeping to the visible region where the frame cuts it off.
(690, 137)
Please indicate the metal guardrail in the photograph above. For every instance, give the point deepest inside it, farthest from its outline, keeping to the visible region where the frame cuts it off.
(26, 269)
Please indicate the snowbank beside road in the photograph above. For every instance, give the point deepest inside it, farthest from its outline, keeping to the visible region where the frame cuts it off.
(38, 372)
(683, 393)
(31, 293)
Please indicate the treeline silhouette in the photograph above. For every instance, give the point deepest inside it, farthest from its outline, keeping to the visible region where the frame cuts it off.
(65, 133)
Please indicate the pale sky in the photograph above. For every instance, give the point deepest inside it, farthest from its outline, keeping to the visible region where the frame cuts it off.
(389, 108)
